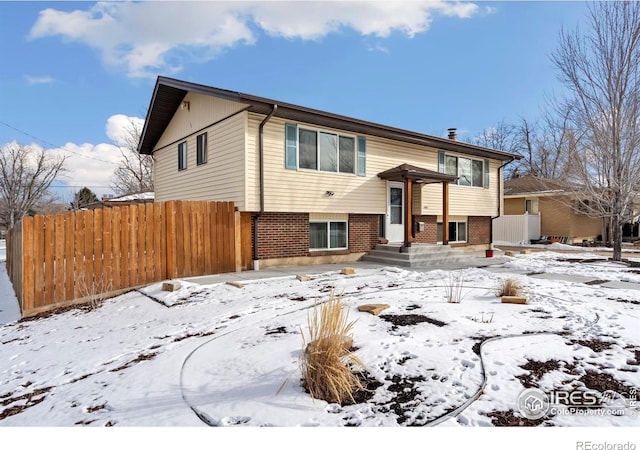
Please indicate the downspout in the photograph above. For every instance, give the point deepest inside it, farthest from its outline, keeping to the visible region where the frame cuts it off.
(499, 201)
(261, 186)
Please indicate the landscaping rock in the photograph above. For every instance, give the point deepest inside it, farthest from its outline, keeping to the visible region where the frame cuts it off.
(303, 277)
(235, 284)
(171, 286)
(509, 253)
(373, 308)
(348, 271)
(514, 299)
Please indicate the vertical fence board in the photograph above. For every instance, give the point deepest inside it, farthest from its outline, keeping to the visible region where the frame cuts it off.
(149, 230)
(158, 273)
(58, 231)
(229, 259)
(98, 251)
(142, 258)
(69, 255)
(79, 252)
(186, 237)
(88, 250)
(171, 237)
(38, 260)
(116, 248)
(218, 237)
(107, 263)
(133, 245)
(179, 239)
(49, 259)
(125, 257)
(28, 292)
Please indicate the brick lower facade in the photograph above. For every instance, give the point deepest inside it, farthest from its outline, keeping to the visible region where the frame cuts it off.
(286, 235)
(283, 235)
(478, 230)
(364, 230)
(430, 233)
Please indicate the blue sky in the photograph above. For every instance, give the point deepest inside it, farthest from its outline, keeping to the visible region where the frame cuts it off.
(74, 72)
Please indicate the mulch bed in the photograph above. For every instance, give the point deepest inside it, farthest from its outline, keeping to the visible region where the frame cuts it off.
(602, 382)
(536, 371)
(594, 344)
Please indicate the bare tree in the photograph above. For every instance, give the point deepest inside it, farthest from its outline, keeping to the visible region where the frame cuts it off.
(501, 137)
(25, 176)
(602, 71)
(135, 172)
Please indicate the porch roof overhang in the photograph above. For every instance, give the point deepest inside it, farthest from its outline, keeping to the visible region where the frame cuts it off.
(416, 174)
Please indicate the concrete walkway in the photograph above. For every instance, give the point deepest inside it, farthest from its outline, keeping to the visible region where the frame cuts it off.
(475, 259)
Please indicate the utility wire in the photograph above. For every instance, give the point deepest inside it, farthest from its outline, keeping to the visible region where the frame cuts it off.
(55, 146)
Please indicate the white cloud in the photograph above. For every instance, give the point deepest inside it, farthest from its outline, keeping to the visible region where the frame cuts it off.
(143, 38)
(91, 165)
(45, 79)
(118, 127)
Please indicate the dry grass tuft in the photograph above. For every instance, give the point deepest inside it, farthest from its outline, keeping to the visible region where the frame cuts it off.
(327, 360)
(509, 287)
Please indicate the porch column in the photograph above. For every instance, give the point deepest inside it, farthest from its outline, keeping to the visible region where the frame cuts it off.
(408, 208)
(445, 213)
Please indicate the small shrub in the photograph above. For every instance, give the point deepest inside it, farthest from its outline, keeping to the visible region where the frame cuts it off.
(454, 286)
(509, 287)
(327, 360)
(95, 289)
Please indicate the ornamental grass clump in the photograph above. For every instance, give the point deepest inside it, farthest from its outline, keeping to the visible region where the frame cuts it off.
(509, 287)
(327, 360)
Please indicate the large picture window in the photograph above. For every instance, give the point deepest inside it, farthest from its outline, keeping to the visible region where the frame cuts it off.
(328, 235)
(327, 152)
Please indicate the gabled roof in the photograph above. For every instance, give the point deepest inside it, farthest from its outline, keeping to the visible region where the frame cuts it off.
(530, 185)
(417, 174)
(169, 93)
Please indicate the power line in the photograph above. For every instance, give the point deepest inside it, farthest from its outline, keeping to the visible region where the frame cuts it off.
(53, 145)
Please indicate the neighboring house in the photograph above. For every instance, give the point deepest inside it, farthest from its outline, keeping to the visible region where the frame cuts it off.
(129, 199)
(556, 203)
(318, 186)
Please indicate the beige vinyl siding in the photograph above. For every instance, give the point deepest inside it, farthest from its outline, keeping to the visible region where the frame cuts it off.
(220, 179)
(305, 191)
(203, 111)
(464, 200)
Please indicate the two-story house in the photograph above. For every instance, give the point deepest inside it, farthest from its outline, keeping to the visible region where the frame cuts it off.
(318, 186)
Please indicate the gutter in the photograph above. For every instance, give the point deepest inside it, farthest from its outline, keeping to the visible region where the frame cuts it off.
(499, 201)
(261, 184)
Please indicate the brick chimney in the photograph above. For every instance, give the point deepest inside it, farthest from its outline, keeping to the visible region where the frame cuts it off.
(452, 134)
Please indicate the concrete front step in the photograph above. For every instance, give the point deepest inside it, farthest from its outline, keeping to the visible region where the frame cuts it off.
(417, 256)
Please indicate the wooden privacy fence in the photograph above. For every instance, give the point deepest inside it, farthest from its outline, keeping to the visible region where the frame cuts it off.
(55, 259)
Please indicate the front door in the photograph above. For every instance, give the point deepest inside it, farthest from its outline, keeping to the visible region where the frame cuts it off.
(395, 212)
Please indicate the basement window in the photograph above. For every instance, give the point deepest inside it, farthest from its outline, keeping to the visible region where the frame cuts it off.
(457, 231)
(328, 235)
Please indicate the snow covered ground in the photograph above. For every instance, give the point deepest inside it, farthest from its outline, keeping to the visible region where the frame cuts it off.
(3, 250)
(228, 356)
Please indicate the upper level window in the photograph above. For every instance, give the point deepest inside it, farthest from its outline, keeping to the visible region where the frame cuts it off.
(324, 151)
(182, 155)
(470, 172)
(201, 148)
(327, 152)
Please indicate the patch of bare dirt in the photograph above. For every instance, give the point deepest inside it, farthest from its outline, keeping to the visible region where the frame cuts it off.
(509, 419)
(601, 382)
(402, 320)
(32, 399)
(536, 370)
(594, 344)
(140, 358)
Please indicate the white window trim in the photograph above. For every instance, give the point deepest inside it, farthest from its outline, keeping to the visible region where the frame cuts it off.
(466, 222)
(346, 222)
(336, 133)
(458, 169)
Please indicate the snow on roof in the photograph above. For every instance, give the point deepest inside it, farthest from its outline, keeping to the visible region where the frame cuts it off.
(132, 197)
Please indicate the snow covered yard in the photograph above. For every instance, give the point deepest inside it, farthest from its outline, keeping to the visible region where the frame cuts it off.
(223, 355)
